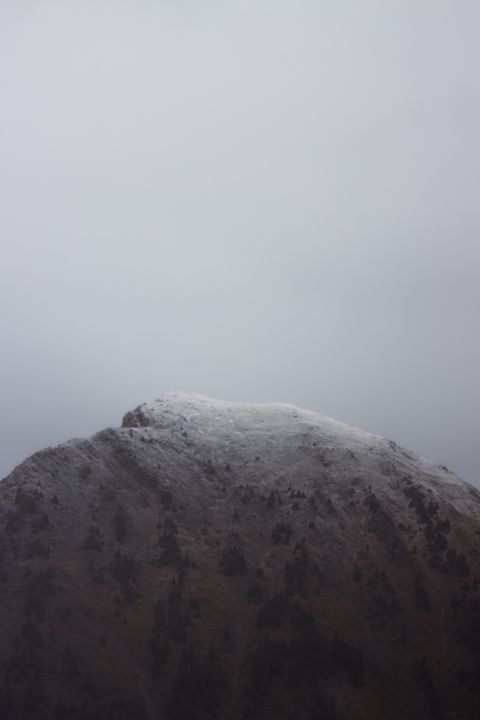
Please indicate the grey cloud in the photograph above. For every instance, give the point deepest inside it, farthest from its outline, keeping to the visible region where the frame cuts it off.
(252, 200)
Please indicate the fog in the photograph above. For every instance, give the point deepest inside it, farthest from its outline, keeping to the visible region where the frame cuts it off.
(259, 201)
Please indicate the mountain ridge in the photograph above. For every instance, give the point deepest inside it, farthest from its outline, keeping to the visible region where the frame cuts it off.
(226, 560)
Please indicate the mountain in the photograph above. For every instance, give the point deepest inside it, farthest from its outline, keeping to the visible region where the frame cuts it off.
(223, 560)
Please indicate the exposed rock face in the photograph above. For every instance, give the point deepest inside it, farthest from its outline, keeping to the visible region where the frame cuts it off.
(219, 560)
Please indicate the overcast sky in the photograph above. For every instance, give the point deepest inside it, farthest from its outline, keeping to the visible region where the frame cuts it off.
(257, 200)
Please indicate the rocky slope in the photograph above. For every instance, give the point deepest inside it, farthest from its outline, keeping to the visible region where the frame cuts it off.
(220, 560)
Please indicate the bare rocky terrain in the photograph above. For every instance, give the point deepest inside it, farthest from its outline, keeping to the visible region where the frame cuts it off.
(220, 560)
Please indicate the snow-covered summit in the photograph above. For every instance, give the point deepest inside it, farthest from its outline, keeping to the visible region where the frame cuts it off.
(275, 433)
(194, 409)
(216, 423)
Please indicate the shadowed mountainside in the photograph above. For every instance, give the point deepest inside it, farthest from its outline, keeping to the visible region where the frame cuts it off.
(221, 560)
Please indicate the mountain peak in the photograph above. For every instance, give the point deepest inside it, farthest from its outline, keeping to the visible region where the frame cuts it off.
(211, 559)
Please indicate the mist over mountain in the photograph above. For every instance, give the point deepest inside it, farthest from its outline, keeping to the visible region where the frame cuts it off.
(253, 199)
(214, 560)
